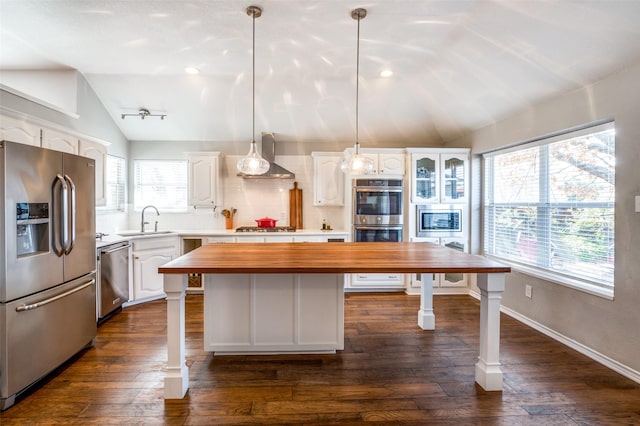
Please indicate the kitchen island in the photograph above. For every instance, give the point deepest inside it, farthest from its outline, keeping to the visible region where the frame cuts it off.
(254, 265)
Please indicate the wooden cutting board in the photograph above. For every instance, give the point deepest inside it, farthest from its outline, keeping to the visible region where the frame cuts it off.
(295, 206)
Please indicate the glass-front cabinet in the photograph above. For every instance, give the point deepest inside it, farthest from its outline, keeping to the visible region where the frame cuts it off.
(454, 169)
(425, 171)
(439, 176)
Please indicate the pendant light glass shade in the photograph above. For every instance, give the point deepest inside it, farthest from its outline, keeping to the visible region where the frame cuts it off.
(356, 164)
(253, 163)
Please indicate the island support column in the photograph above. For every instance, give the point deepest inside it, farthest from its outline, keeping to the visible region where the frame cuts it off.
(488, 373)
(176, 380)
(426, 318)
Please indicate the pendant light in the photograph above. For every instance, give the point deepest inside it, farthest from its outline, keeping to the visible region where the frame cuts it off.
(357, 164)
(253, 163)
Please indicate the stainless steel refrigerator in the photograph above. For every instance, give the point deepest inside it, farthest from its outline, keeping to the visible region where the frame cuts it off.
(48, 263)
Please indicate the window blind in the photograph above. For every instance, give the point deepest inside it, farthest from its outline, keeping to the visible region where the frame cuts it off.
(161, 183)
(115, 179)
(551, 205)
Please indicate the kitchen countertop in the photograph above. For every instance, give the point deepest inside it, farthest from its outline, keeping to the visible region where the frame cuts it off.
(116, 238)
(330, 258)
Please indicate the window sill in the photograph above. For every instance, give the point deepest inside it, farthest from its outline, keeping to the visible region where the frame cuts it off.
(575, 284)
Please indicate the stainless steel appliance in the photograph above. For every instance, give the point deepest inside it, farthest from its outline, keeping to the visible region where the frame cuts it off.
(377, 209)
(113, 278)
(440, 220)
(47, 266)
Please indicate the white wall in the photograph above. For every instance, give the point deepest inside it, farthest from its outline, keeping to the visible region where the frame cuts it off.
(609, 327)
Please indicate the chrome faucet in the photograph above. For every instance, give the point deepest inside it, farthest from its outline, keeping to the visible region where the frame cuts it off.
(143, 223)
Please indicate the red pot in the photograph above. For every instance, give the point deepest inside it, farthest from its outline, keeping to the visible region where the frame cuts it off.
(266, 222)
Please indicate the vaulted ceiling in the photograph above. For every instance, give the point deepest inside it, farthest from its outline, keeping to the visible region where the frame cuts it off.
(457, 65)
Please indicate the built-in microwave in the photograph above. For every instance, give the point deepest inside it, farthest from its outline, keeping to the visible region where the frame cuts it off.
(438, 220)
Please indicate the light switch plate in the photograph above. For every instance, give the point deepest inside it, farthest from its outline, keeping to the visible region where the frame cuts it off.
(637, 203)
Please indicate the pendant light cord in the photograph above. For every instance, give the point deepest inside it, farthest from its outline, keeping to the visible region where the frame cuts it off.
(357, 86)
(253, 84)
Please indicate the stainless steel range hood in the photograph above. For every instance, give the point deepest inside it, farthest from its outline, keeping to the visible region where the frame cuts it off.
(269, 153)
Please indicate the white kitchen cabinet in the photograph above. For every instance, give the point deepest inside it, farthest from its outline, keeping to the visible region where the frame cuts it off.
(148, 254)
(328, 179)
(365, 281)
(20, 131)
(98, 153)
(386, 162)
(59, 141)
(439, 175)
(205, 188)
(391, 164)
(450, 282)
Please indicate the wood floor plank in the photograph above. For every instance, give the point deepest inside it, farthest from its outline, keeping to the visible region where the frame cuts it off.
(391, 372)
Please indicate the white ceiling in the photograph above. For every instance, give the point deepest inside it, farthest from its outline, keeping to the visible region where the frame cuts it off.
(458, 65)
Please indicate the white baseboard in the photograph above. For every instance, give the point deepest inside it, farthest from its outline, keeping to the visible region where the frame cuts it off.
(614, 365)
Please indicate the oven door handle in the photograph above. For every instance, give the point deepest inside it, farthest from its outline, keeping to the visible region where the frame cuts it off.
(42, 303)
(379, 228)
(378, 190)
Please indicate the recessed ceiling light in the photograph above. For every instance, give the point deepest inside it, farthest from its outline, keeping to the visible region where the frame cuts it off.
(192, 70)
(386, 73)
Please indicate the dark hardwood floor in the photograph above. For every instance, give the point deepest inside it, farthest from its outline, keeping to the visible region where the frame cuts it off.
(390, 372)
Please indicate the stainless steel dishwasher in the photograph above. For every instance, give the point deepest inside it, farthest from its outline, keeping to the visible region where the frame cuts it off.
(113, 278)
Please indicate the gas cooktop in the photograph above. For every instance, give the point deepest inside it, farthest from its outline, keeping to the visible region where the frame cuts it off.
(274, 229)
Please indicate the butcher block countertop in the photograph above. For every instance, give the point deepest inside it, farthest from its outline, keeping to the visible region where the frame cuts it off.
(311, 257)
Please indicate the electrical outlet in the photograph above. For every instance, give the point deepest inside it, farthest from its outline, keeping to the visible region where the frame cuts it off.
(528, 291)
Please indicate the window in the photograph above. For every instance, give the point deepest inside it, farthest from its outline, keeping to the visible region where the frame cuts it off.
(115, 183)
(162, 183)
(549, 207)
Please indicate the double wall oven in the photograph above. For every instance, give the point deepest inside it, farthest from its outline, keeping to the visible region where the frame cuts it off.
(377, 210)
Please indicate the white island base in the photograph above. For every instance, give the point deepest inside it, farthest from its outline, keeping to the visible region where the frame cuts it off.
(273, 313)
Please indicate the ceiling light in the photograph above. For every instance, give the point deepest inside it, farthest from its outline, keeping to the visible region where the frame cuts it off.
(192, 70)
(142, 113)
(386, 73)
(357, 164)
(253, 163)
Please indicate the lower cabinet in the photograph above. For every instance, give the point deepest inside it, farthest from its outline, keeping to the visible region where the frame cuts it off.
(377, 281)
(147, 256)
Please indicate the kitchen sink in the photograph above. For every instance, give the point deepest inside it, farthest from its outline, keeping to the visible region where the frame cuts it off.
(138, 233)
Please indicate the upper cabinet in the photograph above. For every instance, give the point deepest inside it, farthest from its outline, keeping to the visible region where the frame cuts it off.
(328, 179)
(204, 179)
(391, 164)
(439, 175)
(15, 130)
(98, 153)
(58, 141)
(386, 162)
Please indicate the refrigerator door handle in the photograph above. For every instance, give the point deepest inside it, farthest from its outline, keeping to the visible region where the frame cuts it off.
(71, 216)
(60, 220)
(42, 303)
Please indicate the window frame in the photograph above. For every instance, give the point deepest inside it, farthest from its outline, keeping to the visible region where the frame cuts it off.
(121, 182)
(566, 279)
